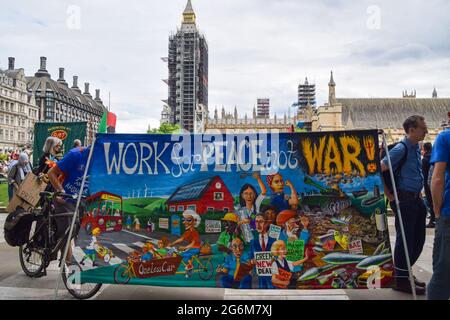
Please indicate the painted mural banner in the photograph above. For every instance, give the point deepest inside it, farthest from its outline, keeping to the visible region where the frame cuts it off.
(289, 210)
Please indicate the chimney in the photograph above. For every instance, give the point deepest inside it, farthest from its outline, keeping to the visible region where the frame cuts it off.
(75, 84)
(86, 89)
(11, 63)
(43, 64)
(97, 96)
(42, 72)
(61, 76)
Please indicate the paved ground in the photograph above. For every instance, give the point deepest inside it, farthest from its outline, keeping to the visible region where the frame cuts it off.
(15, 285)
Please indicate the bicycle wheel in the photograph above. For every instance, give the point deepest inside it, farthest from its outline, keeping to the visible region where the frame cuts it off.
(32, 260)
(205, 269)
(121, 274)
(73, 284)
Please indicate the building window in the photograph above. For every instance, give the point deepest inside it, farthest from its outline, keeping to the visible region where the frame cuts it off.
(225, 210)
(180, 208)
(49, 108)
(192, 207)
(210, 209)
(172, 209)
(218, 196)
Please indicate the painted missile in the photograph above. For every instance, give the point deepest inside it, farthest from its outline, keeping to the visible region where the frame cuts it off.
(343, 258)
(374, 261)
(314, 273)
(379, 249)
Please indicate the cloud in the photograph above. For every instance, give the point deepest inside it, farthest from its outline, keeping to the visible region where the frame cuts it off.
(257, 48)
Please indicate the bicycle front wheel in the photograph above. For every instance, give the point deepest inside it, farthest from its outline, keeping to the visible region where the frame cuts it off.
(121, 274)
(72, 281)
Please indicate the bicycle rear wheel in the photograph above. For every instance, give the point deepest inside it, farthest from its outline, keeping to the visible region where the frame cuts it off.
(32, 260)
(73, 284)
(206, 269)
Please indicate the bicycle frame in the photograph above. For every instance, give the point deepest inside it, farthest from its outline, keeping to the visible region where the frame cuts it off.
(200, 265)
(49, 217)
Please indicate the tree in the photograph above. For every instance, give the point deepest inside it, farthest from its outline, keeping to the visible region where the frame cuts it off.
(165, 128)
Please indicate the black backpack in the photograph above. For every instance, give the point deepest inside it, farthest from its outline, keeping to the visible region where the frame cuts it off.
(17, 227)
(397, 171)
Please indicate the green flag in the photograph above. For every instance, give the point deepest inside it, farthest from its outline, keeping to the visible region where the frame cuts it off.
(102, 126)
(66, 131)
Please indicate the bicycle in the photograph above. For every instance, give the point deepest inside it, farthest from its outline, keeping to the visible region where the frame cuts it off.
(202, 265)
(43, 247)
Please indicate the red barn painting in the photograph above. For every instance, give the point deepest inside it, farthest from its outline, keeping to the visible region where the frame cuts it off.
(202, 196)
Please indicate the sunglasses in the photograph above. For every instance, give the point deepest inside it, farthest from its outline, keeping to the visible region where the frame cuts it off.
(188, 220)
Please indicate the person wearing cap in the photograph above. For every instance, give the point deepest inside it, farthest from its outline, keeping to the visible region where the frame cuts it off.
(191, 220)
(288, 220)
(231, 231)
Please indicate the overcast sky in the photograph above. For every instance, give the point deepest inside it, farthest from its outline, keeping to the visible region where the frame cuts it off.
(257, 48)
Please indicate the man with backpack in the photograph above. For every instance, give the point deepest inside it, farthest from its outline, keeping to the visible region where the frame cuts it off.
(407, 169)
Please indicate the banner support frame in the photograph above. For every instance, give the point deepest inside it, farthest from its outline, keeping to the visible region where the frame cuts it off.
(69, 241)
(402, 229)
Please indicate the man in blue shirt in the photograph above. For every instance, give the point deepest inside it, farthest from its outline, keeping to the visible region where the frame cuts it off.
(439, 287)
(71, 167)
(409, 183)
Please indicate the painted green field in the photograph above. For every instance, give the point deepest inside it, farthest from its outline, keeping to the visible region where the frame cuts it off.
(142, 205)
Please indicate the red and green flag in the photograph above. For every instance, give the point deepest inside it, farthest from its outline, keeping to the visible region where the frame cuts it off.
(108, 123)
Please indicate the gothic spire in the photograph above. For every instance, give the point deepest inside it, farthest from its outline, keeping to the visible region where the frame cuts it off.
(189, 14)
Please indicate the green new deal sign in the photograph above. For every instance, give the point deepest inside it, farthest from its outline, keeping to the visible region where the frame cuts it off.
(66, 131)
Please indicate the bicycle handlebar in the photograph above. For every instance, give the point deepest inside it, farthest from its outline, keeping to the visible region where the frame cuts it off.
(48, 194)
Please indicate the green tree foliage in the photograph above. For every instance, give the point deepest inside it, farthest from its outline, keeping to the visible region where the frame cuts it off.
(165, 128)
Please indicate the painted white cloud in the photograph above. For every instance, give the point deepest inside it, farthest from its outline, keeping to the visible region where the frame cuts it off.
(257, 48)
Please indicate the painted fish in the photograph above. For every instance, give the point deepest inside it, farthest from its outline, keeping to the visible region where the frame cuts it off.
(374, 261)
(314, 273)
(343, 258)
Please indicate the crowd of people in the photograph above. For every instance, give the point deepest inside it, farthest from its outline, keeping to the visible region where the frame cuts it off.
(420, 167)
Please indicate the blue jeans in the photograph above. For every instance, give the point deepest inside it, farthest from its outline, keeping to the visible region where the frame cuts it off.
(10, 191)
(265, 283)
(439, 287)
(187, 255)
(414, 215)
(228, 281)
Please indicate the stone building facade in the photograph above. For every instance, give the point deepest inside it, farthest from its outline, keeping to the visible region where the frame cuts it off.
(387, 114)
(233, 123)
(57, 102)
(18, 109)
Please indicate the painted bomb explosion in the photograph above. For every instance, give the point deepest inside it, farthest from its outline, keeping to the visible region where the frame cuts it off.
(307, 210)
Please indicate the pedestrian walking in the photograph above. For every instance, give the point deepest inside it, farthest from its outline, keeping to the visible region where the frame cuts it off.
(18, 172)
(407, 166)
(439, 287)
(427, 148)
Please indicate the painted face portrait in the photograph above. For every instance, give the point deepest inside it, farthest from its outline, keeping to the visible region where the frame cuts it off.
(277, 183)
(237, 246)
(229, 226)
(249, 195)
(188, 222)
(261, 225)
